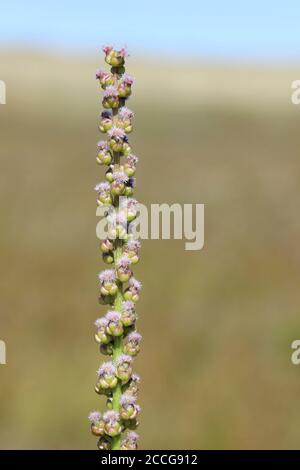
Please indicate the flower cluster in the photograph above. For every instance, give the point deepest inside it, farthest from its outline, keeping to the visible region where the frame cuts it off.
(116, 331)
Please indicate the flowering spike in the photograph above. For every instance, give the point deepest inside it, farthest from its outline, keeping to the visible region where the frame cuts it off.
(116, 332)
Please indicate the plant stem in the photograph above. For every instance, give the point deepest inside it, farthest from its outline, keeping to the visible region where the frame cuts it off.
(117, 346)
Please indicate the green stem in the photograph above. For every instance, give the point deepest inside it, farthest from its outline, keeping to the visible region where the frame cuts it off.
(117, 346)
(118, 342)
(117, 349)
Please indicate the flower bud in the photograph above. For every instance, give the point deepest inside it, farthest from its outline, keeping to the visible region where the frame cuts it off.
(109, 174)
(124, 368)
(106, 349)
(133, 385)
(106, 122)
(130, 441)
(133, 291)
(110, 97)
(118, 139)
(104, 155)
(113, 57)
(101, 336)
(128, 191)
(130, 165)
(132, 250)
(123, 270)
(112, 424)
(109, 403)
(129, 408)
(117, 224)
(126, 149)
(106, 246)
(124, 120)
(129, 206)
(108, 284)
(114, 326)
(104, 159)
(107, 376)
(124, 87)
(105, 78)
(97, 424)
(132, 343)
(118, 184)
(108, 258)
(128, 313)
(129, 187)
(104, 443)
(103, 193)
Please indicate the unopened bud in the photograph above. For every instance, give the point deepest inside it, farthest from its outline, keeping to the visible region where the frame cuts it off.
(104, 443)
(106, 246)
(108, 258)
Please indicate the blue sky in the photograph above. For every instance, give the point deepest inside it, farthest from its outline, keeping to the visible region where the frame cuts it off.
(217, 29)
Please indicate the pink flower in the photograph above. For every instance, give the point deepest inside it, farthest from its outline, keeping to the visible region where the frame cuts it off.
(94, 416)
(108, 275)
(101, 323)
(134, 337)
(110, 91)
(111, 417)
(127, 79)
(135, 284)
(116, 132)
(120, 177)
(132, 160)
(107, 48)
(124, 52)
(113, 317)
(102, 145)
(102, 74)
(102, 187)
(107, 369)
(125, 113)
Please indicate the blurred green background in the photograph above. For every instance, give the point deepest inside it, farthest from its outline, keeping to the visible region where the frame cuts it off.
(217, 323)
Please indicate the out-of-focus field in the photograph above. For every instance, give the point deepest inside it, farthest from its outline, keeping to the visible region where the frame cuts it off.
(218, 323)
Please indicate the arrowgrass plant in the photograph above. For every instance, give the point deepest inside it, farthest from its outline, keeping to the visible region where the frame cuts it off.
(116, 332)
